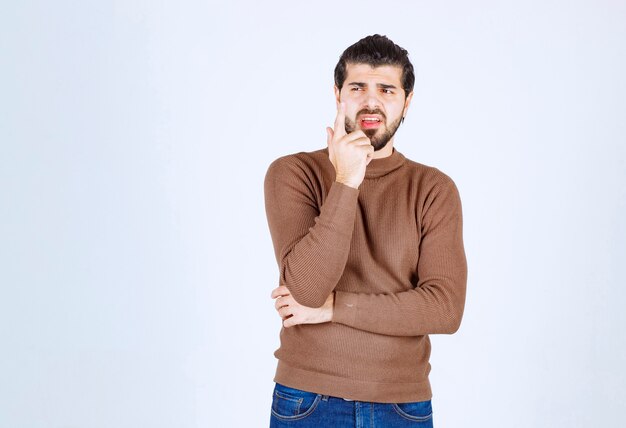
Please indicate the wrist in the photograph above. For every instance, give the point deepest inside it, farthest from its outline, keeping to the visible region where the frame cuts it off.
(347, 183)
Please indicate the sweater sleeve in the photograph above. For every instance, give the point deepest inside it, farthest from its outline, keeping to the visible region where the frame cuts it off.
(311, 243)
(437, 302)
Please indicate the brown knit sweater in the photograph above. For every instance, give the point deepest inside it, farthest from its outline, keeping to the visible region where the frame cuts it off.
(392, 250)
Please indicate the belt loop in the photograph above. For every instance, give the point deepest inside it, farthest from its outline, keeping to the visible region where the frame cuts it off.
(325, 397)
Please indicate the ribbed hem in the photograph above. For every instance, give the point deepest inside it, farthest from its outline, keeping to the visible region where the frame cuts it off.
(327, 384)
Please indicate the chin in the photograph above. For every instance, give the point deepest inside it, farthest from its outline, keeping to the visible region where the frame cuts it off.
(369, 133)
(378, 147)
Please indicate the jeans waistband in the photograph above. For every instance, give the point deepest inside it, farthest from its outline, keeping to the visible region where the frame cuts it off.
(325, 398)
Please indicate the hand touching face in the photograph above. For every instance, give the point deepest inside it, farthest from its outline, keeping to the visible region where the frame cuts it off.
(375, 101)
(349, 153)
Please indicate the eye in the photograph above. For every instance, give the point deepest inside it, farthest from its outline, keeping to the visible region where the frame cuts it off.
(387, 91)
(356, 88)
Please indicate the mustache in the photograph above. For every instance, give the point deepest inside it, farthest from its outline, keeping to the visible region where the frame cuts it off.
(368, 111)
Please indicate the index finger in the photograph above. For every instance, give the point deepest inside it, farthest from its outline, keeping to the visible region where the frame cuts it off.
(280, 291)
(340, 121)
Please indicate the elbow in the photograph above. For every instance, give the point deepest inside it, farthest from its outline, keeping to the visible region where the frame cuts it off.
(453, 323)
(455, 309)
(453, 327)
(310, 301)
(311, 298)
(310, 289)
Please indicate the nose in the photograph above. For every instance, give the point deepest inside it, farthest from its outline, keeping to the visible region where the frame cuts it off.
(372, 101)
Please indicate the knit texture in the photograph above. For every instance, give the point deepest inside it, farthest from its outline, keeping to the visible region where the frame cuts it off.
(391, 251)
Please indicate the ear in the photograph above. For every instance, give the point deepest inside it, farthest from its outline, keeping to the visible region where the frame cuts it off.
(337, 95)
(407, 102)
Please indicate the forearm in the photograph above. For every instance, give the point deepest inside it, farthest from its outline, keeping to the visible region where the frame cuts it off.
(430, 309)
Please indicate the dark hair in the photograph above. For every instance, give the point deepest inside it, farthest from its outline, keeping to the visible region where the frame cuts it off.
(376, 50)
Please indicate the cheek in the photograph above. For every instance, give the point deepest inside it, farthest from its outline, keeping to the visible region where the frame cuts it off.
(353, 100)
(394, 112)
(350, 124)
(351, 111)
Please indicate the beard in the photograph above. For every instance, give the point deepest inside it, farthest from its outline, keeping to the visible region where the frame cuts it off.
(377, 139)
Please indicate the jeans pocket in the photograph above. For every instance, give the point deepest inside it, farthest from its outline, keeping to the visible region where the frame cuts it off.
(416, 411)
(292, 404)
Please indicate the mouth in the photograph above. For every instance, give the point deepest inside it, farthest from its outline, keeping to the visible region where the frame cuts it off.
(368, 121)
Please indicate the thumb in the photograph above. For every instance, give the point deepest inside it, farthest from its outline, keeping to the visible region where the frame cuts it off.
(330, 134)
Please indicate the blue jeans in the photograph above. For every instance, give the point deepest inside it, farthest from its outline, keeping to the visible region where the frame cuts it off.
(296, 408)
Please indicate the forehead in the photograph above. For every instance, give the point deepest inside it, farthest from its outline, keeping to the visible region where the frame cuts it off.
(390, 74)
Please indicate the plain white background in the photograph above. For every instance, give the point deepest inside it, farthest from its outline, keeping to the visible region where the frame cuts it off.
(135, 261)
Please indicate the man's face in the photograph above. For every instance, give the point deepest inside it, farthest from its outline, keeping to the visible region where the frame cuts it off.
(375, 101)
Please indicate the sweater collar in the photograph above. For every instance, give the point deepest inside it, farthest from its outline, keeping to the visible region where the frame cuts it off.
(383, 166)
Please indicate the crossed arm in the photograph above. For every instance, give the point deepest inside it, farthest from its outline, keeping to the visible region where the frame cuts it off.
(312, 247)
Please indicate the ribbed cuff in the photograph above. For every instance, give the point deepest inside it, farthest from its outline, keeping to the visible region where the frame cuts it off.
(342, 191)
(345, 308)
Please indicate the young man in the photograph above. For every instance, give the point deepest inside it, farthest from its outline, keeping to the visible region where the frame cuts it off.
(371, 260)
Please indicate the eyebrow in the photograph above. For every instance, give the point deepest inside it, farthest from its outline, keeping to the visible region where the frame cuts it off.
(380, 85)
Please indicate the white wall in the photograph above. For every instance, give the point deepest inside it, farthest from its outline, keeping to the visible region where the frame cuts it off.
(135, 259)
